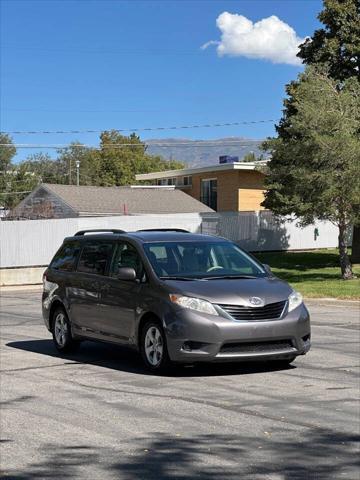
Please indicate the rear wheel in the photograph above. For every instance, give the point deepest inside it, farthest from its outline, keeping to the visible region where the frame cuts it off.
(153, 347)
(61, 330)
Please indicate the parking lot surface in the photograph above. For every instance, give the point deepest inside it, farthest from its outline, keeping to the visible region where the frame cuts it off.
(97, 414)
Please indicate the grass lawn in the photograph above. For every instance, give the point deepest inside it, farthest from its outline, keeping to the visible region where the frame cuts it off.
(313, 273)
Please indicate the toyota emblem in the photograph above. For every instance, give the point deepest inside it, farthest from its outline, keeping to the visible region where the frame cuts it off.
(256, 301)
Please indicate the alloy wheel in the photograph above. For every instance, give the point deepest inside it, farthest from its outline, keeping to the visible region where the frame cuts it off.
(154, 346)
(61, 330)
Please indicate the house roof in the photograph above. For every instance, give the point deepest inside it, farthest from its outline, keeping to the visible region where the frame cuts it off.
(210, 168)
(132, 200)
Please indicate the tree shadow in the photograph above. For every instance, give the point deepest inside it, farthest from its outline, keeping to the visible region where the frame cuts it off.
(127, 360)
(290, 276)
(300, 260)
(316, 454)
(60, 462)
(251, 231)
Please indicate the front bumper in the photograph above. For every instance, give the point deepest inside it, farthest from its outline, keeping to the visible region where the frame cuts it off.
(196, 337)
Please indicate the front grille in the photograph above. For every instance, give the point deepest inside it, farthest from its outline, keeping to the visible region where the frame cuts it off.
(241, 312)
(257, 347)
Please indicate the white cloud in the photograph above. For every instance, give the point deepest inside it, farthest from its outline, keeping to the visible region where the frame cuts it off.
(268, 39)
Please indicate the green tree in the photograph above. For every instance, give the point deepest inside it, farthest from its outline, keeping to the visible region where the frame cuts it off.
(45, 169)
(22, 182)
(314, 171)
(7, 153)
(67, 158)
(120, 158)
(337, 45)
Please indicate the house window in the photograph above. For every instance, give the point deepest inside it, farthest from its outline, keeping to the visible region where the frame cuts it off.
(209, 192)
(178, 181)
(166, 181)
(187, 180)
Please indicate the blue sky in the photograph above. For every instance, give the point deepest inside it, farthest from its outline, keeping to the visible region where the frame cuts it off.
(91, 64)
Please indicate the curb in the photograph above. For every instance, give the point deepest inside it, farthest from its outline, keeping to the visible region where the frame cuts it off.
(14, 288)
(331, 301)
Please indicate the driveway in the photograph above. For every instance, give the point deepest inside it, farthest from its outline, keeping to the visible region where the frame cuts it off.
(98, 415)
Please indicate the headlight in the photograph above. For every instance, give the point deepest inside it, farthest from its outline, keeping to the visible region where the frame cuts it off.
(295, 299)
(194, 304)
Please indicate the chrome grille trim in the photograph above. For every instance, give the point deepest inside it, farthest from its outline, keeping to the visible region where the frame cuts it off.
(271, 311)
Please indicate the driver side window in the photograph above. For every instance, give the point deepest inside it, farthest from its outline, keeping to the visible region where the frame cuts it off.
(127, 256)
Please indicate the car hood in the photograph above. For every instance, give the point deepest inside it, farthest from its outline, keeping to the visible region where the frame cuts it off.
(236, 292)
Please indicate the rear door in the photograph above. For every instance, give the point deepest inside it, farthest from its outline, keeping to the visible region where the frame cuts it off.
(91, 277)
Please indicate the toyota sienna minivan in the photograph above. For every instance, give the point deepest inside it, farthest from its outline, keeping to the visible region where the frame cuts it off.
(172, 295)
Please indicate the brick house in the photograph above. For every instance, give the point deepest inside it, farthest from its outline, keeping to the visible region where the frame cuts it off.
(227, 187)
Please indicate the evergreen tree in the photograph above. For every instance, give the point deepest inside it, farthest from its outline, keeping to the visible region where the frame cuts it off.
(314, 171)
(337, 45)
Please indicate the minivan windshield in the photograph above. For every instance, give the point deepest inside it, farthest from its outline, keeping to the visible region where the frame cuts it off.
(187, 260)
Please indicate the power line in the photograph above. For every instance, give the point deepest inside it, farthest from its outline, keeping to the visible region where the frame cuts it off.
(121, 145)
(149, 129)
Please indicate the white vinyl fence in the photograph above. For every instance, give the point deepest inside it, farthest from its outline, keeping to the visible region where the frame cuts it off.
(261, 231)
(34, 242)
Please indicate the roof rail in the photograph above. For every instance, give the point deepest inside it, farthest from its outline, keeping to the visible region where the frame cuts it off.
(99, 230)
(179, 230)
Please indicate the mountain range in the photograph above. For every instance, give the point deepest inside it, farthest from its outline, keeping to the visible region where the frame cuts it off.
(198, 153)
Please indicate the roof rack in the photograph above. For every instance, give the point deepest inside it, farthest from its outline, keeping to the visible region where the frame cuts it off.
(99, 230)
(179, 230)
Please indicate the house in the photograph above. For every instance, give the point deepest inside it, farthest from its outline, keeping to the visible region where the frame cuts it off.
(68, 201)
(226, 187)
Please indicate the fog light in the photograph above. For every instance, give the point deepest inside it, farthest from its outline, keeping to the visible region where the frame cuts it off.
(186, 346)
(191, 346)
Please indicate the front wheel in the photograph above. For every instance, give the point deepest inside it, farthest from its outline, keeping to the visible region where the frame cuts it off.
(153, 347)
(61, 331)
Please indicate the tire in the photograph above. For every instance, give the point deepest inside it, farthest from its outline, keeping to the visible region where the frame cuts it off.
(153, 347)
(61, 331)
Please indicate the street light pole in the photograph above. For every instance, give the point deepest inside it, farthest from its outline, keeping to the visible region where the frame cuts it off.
(77, 163)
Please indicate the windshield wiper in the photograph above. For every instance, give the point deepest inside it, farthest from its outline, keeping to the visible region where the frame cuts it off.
(227, 277)
(164, 277)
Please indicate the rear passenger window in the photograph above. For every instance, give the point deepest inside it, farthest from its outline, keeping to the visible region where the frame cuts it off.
(95, 257)
(66, 257)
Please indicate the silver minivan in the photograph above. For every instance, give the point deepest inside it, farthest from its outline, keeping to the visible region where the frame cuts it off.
(174, 296)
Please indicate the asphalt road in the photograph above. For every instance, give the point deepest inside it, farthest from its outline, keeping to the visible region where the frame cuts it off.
(99, 415)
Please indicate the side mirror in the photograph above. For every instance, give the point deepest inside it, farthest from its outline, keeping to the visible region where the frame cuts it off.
(268, 269)
(126, 273)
